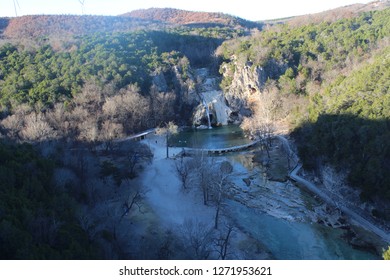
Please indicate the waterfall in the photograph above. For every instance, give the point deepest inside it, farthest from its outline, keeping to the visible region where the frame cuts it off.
(207, 111)
(211, 98)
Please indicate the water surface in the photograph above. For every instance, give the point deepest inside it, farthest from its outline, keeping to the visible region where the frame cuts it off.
(293, 240)
(293, 237)
(215, 138)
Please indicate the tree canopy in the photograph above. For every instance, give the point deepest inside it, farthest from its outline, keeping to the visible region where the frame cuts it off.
(37, 219)
(296, 56)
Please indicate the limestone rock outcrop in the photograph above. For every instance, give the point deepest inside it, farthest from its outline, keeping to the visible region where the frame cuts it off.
(246, 80)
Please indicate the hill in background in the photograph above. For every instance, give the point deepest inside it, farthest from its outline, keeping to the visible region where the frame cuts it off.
(349, 11)
(182, 17)
(64, 25)
(34, 26)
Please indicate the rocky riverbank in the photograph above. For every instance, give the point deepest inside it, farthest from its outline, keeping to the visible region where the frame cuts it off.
(271, 198)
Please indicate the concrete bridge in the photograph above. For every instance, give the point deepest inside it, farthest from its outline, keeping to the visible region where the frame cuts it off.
(191, 151)
(137, 137)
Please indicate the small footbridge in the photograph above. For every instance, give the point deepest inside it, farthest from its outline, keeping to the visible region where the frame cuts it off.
(191, 151)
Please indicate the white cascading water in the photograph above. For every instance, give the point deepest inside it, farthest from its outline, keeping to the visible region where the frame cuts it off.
(212, 98)
(207, 112)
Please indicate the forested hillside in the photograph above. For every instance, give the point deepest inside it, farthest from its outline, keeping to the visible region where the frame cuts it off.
(38, 220)
(299, 58)
(102, 68)
(193, 19)
(67, 26)
(349, 11)
(46, 76)
(64, 27)
(349, 126)
(333, 80)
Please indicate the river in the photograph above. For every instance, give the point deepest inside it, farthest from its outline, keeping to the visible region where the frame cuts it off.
(278, 215)
(294, 240)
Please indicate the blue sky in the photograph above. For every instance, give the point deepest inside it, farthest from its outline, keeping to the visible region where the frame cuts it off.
(248, 9)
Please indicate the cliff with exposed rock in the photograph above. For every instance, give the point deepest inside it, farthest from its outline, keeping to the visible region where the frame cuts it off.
(245, 80)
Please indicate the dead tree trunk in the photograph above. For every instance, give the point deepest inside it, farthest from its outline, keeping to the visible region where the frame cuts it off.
(222, 242)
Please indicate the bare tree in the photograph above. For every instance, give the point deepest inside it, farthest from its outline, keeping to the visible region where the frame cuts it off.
(167, 130)
(183, 170)
(36, 128)
(162, 105)
(99, 114)
(13, 124)
(58, 118)
(108, 132)
(261, 124)
(88, 224)
(134, 199)
(222, 242)
(128, 108)
(90, 97)
(95, 191)
(82, 166)
(201, 172)
(214, 181)
(83, 123)
(88, 130)
(165, 248)
(197, 238)
(115, 242)
(220, 186)
(136, 153)
(44, 228)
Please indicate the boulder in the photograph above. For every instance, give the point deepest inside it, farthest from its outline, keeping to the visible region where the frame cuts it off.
(247, 181)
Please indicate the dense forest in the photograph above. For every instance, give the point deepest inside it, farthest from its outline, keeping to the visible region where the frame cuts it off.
(68, 92)
(300, 58)
(349, 126)
(100, 71)
(46, 75)
(38, 219)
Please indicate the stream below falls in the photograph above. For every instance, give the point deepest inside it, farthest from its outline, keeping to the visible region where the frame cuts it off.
(279, 215)
(283, 218)
(294, 240)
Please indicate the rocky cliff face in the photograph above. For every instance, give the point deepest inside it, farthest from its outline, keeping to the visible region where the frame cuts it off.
(243, 80)
(246, 80)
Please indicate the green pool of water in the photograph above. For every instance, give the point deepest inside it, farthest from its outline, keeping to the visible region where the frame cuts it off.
(215, 138)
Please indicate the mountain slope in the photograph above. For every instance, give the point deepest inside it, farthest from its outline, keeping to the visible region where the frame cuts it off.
(349, 11)
(36, 26)
(182, 17)
(65, 25)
